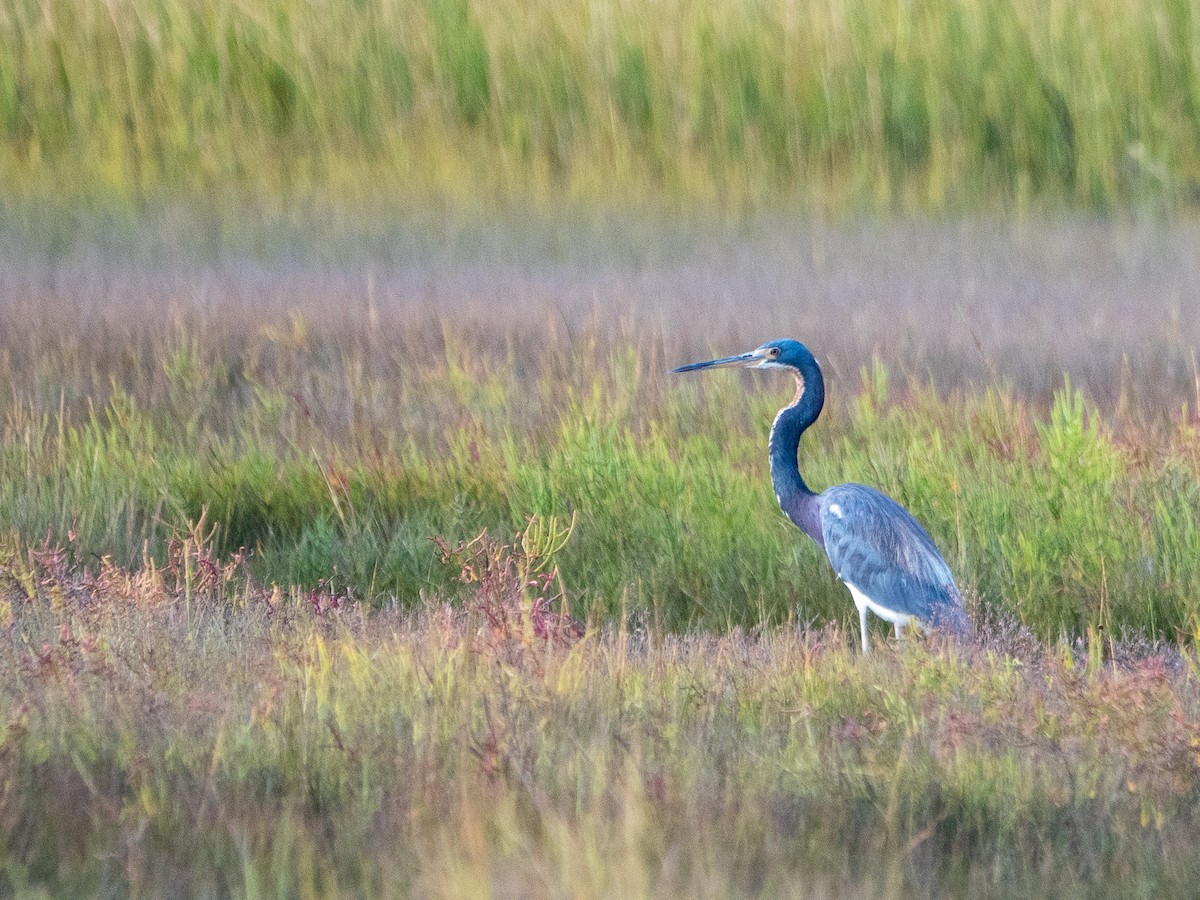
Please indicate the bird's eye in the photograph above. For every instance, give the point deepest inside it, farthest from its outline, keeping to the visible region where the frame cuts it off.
(773, 352)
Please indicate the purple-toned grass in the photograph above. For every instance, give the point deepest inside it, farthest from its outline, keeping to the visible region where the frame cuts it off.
(182, 730)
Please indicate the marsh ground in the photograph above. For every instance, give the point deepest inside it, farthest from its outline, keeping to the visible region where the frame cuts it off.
(302, 698)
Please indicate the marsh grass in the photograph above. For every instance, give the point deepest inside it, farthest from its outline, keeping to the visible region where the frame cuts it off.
(329, 458)
(183, 730)
(305, 601)
(256, 105)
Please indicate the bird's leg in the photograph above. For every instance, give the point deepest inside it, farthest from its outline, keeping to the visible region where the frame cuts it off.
(899, 633)
(862, 621)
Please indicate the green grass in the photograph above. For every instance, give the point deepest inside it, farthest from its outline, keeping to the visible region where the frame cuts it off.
(272, 107)
(333, 456)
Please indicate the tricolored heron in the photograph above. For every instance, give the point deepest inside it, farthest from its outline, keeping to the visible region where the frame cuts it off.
(878, 550)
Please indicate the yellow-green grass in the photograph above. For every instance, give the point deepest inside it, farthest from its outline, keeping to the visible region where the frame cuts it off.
(177, 731)
(337, 454)
(280, 105)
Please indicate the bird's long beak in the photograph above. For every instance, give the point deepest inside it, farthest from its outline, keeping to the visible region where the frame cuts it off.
(742, 359)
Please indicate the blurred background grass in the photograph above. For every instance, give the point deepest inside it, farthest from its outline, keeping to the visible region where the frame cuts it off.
(281, 106)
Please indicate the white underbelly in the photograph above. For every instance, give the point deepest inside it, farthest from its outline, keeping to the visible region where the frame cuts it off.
(862, 601)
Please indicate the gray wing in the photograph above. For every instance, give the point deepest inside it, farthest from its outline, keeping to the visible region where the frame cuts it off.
(875, 544)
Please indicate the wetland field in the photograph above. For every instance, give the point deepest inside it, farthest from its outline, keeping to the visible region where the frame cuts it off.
(404, 568)
(355, 540)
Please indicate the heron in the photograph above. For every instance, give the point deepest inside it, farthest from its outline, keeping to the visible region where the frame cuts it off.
(879, 551)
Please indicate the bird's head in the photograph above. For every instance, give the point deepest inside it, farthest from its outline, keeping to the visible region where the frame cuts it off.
(785, 354)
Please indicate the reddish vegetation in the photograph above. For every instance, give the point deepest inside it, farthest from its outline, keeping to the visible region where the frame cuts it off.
(157, 719)
(511, 596)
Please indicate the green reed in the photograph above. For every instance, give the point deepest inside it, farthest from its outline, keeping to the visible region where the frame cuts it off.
(266, 107)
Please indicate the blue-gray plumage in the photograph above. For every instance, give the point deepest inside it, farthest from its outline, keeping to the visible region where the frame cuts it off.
(881, 553)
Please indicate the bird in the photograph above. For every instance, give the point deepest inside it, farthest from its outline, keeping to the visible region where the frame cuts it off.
(878, 549)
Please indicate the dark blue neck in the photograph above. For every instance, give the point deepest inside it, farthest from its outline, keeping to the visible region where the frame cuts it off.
(800, 503)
